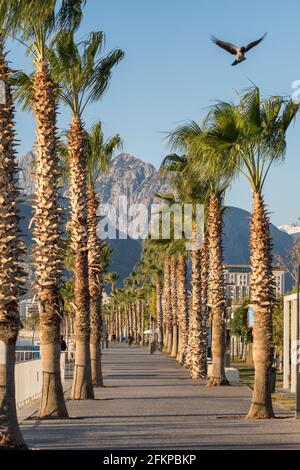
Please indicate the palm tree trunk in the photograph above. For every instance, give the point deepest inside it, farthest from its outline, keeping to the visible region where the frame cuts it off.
(120, 323)
(204, 309)
(135, 321)
(10, 252)
(138, 317)
(195, 321)
(262, 299)
(216, 292)
(95, 287)
(167, 311)
(159, 314)
(47, 250)
(182, 309)
(130, 320)
(174, 305)
(142, 323)
(82, 388)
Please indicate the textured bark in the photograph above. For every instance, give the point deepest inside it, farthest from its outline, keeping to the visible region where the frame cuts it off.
(135, 321)
(204, 309)
(10, 269)
(115, 322)
(182, 309)
(193, 358)
(130, 320)
(47, 251)
(167, 311)
(95, 287)
(262, 299)
(142, 322)
(138, 320)
(120, 322)
(174, 305)
(216, 292)
(159, 314)
(77, 148)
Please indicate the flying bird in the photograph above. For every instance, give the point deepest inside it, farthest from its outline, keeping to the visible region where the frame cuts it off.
(239, 52)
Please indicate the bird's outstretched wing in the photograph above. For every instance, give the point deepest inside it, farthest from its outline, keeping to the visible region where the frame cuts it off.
(254, 43)
(225, 45)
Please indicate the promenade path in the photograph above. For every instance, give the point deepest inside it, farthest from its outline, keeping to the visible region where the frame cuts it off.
(149, 402)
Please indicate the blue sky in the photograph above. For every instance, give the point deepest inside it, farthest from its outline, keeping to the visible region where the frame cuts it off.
(172, 73)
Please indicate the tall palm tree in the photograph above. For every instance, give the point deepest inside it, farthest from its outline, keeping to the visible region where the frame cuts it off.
(194, 188)
(98, 161)
(34, 23)
(249, 138)
(153, 270)
(216, 285)
(10, 256)
(84, 76)
(191, 189)
(182, 300)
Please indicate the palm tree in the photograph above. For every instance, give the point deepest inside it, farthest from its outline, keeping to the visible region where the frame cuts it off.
(10, 255)
(216, 285)
(83, 75)
(98, 160)
(152, 271)
(35, 22)
(206, 257)
(182, 308)
(191, 189)
(249, 138)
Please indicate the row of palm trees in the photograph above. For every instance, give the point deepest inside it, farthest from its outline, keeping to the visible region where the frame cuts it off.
(73, 74)
(246, 139)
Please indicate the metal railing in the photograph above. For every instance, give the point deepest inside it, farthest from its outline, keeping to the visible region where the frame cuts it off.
(27, 353)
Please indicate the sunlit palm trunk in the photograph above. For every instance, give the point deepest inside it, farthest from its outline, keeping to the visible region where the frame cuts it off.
(10, 270)
(47, 250)
(193, 360)
(120, 323)
(204, 309)
(182, 309)
(130, 320)
(216, 291)
(77, 147)
(167, 312)
(159, 314)
(142, 323)
(134, 320)
(138, 319)
(174, 305)
(262, 299)
(95, 288)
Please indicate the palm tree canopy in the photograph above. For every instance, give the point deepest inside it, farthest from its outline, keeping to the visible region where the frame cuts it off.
(100, 152)
(80, 69)
(34, 23)
(246, 138)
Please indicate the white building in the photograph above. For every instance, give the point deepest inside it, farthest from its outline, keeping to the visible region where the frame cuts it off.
(238, 278)
(27, 308)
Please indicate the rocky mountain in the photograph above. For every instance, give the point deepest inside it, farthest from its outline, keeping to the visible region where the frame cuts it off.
(128, 176)
(139, 181)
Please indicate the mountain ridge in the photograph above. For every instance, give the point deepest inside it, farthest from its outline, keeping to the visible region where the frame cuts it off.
(140, 181)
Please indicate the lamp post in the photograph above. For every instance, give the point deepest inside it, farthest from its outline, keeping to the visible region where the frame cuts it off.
(297, 413)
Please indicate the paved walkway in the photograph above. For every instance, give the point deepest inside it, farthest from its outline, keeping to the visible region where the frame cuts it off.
(149, 402)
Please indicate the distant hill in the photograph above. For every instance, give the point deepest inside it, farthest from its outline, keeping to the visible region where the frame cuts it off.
(139, 181)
